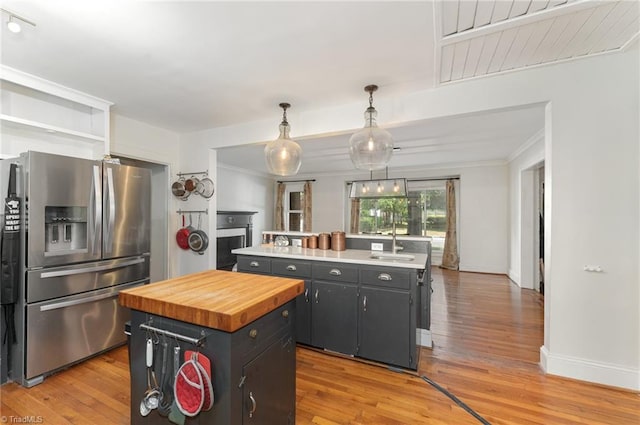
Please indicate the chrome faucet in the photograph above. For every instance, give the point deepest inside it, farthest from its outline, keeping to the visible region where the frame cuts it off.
(394, 245)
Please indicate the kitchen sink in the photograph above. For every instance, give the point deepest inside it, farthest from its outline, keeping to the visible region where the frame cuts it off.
(391, 256)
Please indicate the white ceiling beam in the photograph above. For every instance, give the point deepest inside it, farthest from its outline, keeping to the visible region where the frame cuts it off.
(519, 21)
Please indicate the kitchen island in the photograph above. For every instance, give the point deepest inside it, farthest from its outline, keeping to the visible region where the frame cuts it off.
(356, 302)
(242, 323)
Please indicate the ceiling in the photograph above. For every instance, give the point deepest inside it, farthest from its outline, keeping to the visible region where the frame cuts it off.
(188, 66)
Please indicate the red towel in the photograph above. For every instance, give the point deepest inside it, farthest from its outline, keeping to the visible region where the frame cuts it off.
(189, 388)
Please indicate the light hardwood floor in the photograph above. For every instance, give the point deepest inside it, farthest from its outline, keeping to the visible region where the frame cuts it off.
(487, 333)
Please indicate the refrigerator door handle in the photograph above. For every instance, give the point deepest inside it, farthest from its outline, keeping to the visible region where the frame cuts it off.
(112, 293)
(92, 269)
(97, 208)
(111, 214)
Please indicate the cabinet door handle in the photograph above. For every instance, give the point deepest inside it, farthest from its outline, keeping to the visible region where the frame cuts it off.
(254, 405)
(335, 272)
(364, 303)
(291, 268)
(384, 276)
(306, 295)
(316, 295)
(254, 264)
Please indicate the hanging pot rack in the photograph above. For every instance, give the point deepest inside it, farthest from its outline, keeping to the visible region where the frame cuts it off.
(181, 211)
(194, 341)
(205, 172)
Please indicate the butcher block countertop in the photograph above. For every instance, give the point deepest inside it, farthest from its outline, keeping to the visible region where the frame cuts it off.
(216, 299)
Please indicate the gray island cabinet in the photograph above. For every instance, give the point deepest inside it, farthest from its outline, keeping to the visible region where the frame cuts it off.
(243, 323)
(351, 303)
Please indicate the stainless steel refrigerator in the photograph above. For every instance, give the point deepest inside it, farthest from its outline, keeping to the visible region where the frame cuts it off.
(86, 236)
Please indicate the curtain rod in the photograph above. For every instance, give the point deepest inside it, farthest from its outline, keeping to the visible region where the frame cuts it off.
(434, 178)
(295, 181)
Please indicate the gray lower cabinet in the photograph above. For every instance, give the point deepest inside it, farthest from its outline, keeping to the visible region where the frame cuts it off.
(335, 316)
(365, 311)
(388, 315)
(266, 400)
(300, 270)
(384, 317)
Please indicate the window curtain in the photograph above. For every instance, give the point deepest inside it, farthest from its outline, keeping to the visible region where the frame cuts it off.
(450, 259)
(280, 206)
(354, 223)
(308, 203)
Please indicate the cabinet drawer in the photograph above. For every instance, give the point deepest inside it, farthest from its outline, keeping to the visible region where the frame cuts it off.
(336, 272)
(293, 268)
(259, 334)
(387, 277)
(254, 264)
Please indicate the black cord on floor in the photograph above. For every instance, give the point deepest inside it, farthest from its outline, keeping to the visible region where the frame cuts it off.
(456, 400)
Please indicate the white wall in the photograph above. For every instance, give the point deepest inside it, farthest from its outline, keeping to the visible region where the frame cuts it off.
(483, 219)
(138, 140)
(521, 249)
(592, 321)
(243, 190)
(197, 160)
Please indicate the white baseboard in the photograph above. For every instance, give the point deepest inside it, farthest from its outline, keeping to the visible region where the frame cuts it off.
(587, 370)
(423, 338)
(515, 277)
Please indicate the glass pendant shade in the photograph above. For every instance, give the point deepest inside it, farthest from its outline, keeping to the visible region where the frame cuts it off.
(283, 155)
(371, 148)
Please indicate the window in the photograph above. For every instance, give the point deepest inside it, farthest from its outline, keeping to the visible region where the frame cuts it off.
(294, 208)
(377, 215)
(422, 213)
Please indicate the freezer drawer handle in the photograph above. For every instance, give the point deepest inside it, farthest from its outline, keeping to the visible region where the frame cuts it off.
(113, 293)
(92, 269)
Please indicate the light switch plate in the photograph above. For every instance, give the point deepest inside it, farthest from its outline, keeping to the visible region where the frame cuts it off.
(376, 247)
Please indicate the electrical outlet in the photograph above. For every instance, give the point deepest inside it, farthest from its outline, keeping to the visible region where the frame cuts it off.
(296, 242)
(376, 247)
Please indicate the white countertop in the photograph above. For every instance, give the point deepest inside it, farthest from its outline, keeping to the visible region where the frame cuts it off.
(354, 256)
(350, 235)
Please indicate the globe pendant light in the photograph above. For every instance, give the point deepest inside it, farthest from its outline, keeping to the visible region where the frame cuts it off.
(283, 155)
(371, 147)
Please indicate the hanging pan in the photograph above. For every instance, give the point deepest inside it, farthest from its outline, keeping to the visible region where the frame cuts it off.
(205, 187)
(182, 237)
(198, 240)
(177, 188)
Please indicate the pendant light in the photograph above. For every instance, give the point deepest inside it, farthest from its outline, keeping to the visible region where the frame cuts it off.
(381, 188)
(371, 147)
(283, 155)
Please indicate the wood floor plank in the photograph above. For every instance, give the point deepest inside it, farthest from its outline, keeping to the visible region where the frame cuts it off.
(486, 332)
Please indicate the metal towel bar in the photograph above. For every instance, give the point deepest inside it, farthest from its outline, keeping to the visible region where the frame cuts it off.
(195, 341)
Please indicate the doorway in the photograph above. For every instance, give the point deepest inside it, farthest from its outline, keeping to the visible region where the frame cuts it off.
(159, 259)
(539, 285)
